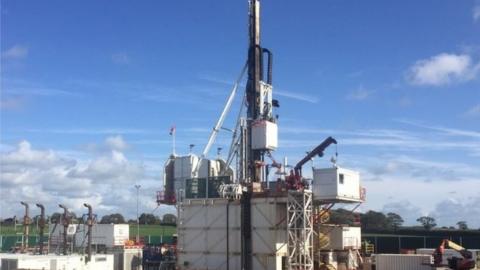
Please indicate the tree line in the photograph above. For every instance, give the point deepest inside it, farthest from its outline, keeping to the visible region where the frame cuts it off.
(370, 220)
(115, 218)
(379, 221)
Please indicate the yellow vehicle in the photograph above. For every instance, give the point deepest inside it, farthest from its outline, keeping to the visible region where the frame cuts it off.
(455, 263)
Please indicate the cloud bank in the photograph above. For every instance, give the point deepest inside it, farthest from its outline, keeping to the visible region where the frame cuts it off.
(105, 180)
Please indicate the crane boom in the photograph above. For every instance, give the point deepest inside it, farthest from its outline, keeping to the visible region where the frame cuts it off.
(317, 151)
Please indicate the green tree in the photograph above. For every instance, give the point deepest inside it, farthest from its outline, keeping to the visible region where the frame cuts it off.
(169, 219)
(374, 220)
(462, 225)
(341, 216)
(427, 222)
(394, 220)
(116, 218)
(148, 219)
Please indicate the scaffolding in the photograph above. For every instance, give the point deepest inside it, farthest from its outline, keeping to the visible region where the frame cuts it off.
(300, 230)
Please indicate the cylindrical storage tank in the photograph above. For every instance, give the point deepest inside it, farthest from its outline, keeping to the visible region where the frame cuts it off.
(403, 262)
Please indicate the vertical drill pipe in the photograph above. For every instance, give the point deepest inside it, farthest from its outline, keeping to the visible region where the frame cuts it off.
(41, 224)
(26, 222)
(253, 86)
(89, 233)
(252, 155)
(65, 227)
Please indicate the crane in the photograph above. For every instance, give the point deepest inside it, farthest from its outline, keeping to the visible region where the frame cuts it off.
(294, 180)
(455, 263)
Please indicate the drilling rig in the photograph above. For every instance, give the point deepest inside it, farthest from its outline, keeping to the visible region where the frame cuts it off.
(232, 215)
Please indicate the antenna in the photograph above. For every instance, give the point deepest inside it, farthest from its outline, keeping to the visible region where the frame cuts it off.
(191, 148)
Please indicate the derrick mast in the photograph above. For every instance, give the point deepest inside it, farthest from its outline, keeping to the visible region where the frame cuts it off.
(261, 127)
(261, 130)
(253, 86)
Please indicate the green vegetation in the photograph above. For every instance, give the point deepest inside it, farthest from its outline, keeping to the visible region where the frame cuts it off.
(152, 230)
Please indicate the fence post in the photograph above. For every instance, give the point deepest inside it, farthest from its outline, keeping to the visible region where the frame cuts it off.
(399, 244)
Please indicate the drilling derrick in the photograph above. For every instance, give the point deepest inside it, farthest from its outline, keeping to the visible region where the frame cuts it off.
(231, 214)
(260, 127)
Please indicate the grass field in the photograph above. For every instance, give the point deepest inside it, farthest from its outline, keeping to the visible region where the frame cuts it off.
(152, 230)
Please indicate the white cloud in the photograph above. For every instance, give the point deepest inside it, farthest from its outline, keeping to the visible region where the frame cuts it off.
(360, 94)
(476, 12)
(408, 211)
(443, 69)
(465, 209)
(444, 130)
(15, 52)
(425, 198)
(38, 91)
(116, 143)
(412, 186)
(443, 138)
(104, 180)
(276, 92)
(473, 111)
(120, 58)
(296, 96)
(90, 131)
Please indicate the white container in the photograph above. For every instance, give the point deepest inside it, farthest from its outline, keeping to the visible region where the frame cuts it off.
(342, 237)
(23, 261)
(128, 258)
(336, 185)
(100, 261)
(56, 262)
(109, 235)
(264, 135)
(403, 262)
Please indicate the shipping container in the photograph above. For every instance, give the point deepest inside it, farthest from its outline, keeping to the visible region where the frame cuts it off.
(336, 185)
(55, 262)
(108, 235)
(403, 262)
(342, 237)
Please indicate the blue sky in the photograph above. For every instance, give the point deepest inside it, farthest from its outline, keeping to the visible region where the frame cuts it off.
(90, 89)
